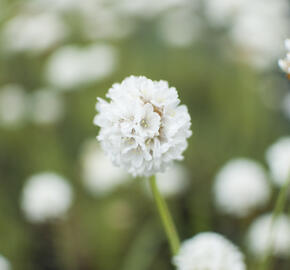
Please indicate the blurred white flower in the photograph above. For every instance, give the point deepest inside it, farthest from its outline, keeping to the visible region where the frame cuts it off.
(222, 12)
(256, 27)
(284, 64)
(101, 21)
(179, 27)
(4, 263)
(46, 196)
(241, 187)
(143, 127)
(54, 5)
(72, 66)
(33, 32)
(260, 235)
(172, 182)
(148, 8)
(278, 157)
(13, 105)
(46, 106)
(286, 105)
(209, 251)
(99, 175)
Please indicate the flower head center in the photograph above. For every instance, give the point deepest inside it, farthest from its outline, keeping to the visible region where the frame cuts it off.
(144, 123)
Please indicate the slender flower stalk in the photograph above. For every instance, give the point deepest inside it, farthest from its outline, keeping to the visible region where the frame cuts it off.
(279, 207)
(144, 129)
(165, 216)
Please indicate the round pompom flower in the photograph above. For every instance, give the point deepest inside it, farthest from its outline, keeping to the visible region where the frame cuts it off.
(209, 251)
(278, 157)
(263, 233)
(143, 128)
(46, 196)
(241, 187)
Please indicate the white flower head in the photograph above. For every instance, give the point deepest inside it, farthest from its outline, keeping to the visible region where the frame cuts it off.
(13, 105)
(4, 263)
(33, 32)
(209, 251)
(241, 187)
(46, 196)
(100, 176)
(260, 236)
(278, 157)
(47, 106)
(72, 66)
(143, 128)
(284, 64)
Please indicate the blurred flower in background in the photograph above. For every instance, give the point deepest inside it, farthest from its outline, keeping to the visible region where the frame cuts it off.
(241, 187)
(46, 106)
(209, 251)
(257, 28)
(278, 157)
(72, 66)
(13, 106)
(33, 32)
(46, 196)
(4, 263)
(261, 233)
(99, 175)
(180, 27)
(174, 181)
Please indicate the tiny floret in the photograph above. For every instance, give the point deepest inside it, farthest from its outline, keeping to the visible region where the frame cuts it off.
(209, 251)
(241, 187)
(143, 128)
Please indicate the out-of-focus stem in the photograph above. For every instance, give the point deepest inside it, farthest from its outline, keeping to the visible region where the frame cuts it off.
(279, 207)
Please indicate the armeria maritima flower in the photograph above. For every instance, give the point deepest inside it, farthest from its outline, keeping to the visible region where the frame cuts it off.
(143, 127)
(210, 251)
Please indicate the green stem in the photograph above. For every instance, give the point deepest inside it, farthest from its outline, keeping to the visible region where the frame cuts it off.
(279, 207)
(165, 217)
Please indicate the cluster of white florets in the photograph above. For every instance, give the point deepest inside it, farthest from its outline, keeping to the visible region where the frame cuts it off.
(143, 127)
(209, 251)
